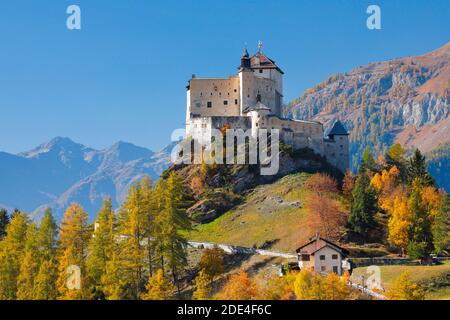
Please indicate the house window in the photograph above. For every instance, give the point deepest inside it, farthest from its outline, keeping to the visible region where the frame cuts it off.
(260, 71)
(335, 269)
(225, 102)
(322, 268)
(209, 105)
(322, 257)
(334, 257)
(305, 257)
(198, 104)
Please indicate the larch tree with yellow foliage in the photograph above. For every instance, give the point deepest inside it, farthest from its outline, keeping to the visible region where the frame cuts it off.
(212, 263)
(12, 249)
(132, 221)
(45, 284)
(101, 245)
(239, 287)
(399, 223)
(403, 288)
(74, 238)
(280, 288)
(335, 288)
(202, 285)
(158, 287)
(29, 267)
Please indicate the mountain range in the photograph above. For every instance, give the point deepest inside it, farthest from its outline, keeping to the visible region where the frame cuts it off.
(62, 171)
(403, 100)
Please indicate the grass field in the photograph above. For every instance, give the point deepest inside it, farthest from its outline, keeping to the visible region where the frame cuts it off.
(421, 274)
(271, 213)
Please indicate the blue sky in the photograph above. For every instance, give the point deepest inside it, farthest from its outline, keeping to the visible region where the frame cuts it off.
(123, 75)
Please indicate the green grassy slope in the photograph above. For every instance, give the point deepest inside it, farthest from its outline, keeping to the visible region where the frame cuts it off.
(271, 213)
(427, 275)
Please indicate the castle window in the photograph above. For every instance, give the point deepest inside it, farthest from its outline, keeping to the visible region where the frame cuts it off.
(341, 146)
(198, 104)
(235, 90)
(235, 101)
(260, 70)
(225, 102)
(209, 104)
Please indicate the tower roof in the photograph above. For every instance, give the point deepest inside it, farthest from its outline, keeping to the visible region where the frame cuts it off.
(261, 61)
(338, 129)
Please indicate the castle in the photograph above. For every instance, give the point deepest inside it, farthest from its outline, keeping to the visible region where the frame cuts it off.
(253, 100)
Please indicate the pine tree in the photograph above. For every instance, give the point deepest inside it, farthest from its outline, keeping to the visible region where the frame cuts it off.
(364, 205)
(158, 287)
(101, 245)
(202, 286)
(420, 236)
(417, 169)
(74, 237)
(29, 266)
(4, 221)
(368, 162)
(441, 239)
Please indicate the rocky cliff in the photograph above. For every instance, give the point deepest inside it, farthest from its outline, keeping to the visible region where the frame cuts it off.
(403, 100)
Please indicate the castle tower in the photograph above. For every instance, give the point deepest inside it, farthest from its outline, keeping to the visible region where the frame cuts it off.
(338, 150)
(246, 83)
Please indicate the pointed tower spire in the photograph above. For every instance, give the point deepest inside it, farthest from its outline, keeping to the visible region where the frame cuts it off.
(245, 61)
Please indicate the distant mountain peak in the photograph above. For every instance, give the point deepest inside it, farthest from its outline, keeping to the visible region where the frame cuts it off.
(62, 171)
(57, 144)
